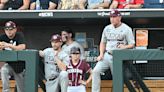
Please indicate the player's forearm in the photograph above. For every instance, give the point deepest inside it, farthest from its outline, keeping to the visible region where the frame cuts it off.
(19, 47)
(130, 46)
(41, 53)
(61, 65)
(1, 46)
(122, 46)
(102, 48)
(90, 77)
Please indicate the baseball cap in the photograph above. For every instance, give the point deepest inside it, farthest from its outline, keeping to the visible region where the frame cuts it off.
(75, 50)
(56, 38)
(9, 25)
(115, 13)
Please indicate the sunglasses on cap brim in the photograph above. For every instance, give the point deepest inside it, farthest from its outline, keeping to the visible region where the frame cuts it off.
(75, 53)
(9, 28)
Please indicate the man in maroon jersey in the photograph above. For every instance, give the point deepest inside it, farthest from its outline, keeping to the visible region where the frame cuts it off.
(77, 68)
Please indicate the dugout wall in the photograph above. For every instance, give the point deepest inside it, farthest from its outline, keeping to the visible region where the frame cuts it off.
(38, 26)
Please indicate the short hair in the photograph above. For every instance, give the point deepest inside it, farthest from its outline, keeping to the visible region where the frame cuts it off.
(68, 30)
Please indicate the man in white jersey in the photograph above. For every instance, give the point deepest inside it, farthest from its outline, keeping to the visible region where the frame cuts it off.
(68, 39)
(116, 35)
(55, 61)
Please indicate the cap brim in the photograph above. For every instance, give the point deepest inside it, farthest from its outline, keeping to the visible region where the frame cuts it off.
(55, 40)
(113, 15)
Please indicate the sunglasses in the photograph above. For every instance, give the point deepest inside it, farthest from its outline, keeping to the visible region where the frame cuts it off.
(9, 28)
(75, 53)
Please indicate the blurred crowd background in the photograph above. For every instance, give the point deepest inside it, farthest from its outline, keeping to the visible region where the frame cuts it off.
(78, 4)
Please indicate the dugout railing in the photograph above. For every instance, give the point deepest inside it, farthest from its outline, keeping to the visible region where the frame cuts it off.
(120, 56)
(31, 59)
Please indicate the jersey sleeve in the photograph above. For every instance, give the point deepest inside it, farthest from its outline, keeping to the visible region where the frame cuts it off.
(45, 51)
(21, 39)
(65, 59)
(130, 36)
(86, 66)
(1, 38)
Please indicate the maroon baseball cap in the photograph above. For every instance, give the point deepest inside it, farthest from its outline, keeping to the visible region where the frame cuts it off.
(10, 25)
(114, 13)
(56, 38)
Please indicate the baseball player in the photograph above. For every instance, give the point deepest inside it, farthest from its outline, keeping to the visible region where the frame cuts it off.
(55, 61)
(117, 35)
(67, 38)
(77, 68)
(12, 40)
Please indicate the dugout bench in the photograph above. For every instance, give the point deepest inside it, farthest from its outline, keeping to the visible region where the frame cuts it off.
(31, 59)
(120, 56)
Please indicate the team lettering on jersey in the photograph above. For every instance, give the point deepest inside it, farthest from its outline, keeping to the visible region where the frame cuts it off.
(115, 36)
(75, 71)
(51, 58)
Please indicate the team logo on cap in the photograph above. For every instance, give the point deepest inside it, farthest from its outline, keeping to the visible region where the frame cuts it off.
(115, 13)
(112, 12)
(56, 38)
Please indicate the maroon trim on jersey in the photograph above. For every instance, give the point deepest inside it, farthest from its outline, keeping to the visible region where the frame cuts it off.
(88, 70)
(79, 64)
(76, 64)
(77, 75)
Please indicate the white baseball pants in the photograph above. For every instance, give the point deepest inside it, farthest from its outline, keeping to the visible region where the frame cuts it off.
(7, 71)
(101, 67)
(61, 82)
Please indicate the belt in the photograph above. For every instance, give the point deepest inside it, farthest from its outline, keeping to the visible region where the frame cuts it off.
(52, 79)
(109, 52)
(50, 63)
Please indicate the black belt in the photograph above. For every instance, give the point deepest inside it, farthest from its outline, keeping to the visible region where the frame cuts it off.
(49, 62)
(74, 85)
(109, 52)
(52, 79)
